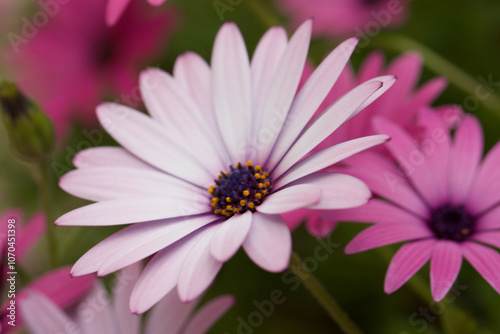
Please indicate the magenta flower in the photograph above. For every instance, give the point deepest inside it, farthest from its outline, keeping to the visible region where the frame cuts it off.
(334, 18)
(86, 60)
(445, 207)
(217, 162)
(98, 314)
(404, 95)
(116, 8)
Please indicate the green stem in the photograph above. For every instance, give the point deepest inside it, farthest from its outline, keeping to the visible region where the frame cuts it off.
(262, 13)
(329, 304)
(46, 203)
(441, 66)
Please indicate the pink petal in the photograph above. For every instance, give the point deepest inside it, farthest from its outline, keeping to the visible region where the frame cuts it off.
(131, 210)
(338, 191)
(30, 234)
(490, 220)
(376, 211)
(283, 88)
(485, 260)
(120, 241)
(103, 321)
(185, 123)
(42, 316)
(406, 262)
(489, 237)
(156, 3)
(379, 235)
(414, 161)
(162, 237)
(436, 144)
(310, 97)
(231, 83)
(429, 91)
(323, 125)
(384, 178)
(328, 157)
(107, 156)
(152, 143)
(106, 183)
(485, 191)
(199, 268)
(127, 323)
(291, 198)
(445, 264)
(269, 242)
(114, 11)
(265, 61)
(169, 313)
(161, 275)
(466, 155)
(229, 236)
(208, 315)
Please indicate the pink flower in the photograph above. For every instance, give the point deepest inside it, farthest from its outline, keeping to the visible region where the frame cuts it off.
(400, 105)
(76, 60)
(57, 285)
(116, 8)
(347, 17)
(445, 206)
(239, 117)
(98, 314)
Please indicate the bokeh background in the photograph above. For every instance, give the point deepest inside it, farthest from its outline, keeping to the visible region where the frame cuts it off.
(465, 34)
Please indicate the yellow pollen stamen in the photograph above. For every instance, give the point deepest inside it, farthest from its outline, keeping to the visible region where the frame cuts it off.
(464, 231)
(215, 200)
(229, 208)
(258, 195)
(265, 192)
(261, 185)
(238, 165)
(236, 210)
(249, 163)
(259, 169)
(228, 199)
(251, 206)
(246, 193)
(257, 176)
(224, 212)
(243, 202)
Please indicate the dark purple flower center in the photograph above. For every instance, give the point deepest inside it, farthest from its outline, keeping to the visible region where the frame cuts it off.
(452, 223)
(105, 50)
(239, 189)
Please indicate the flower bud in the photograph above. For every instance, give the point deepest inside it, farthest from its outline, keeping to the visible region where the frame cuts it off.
(30, 131)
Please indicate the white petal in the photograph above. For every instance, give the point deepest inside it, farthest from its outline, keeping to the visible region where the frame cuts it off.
(207, 315)
(148, 140)
(105, 183)
(269, 242)
(328, 157)
(199, 268)
(310, 97)
(229, 236)
(231, 85)
(103, 319)
(132, 210)
(128, 323)
(283, 88)
(108, 156)
(291, 198)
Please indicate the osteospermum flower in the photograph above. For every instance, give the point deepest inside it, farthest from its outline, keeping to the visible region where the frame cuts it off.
(116, 8)
(445, 207)
(217, 163)
(76, 43)
(99, 314)
(334, 18)
(400, 105)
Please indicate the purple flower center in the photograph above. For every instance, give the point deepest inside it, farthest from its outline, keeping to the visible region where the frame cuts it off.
(239, 189)
(452, 223)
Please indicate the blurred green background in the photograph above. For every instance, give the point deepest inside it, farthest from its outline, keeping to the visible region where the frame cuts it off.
(465, 33)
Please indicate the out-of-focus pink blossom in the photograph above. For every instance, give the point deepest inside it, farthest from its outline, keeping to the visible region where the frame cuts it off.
(342, 18)
(75, 61)
(116, 8)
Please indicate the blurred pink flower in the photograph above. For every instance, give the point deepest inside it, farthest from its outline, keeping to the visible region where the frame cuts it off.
(167, 180)
(116, 8)
(100, 314)
(442, 201)
(75, 61)
(399, 104)
(342, 18)
(57, 285)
